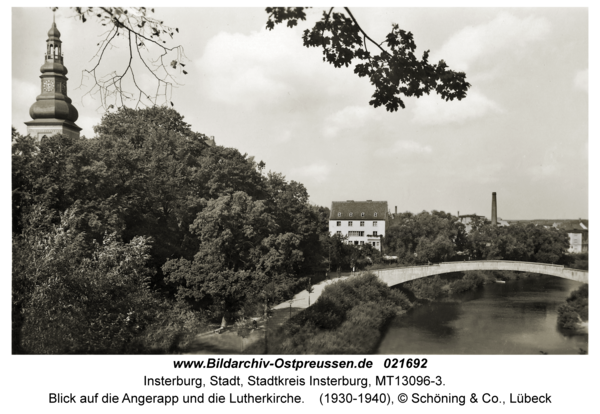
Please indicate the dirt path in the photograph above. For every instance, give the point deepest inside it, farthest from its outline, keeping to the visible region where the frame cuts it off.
(230, 343)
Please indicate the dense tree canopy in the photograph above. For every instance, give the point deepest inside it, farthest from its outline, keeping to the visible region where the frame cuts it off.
(122, 240)
(521, 242)
(209, 218)
(424, 237)
(437, 236)
(73, 296)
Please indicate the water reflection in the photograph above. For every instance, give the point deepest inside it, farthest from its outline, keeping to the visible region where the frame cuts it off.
(517, 317)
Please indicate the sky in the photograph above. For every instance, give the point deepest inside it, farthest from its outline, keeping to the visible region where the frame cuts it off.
(522, 131)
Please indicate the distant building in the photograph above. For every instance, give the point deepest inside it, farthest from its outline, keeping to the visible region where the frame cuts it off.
(361, 221)
(467, 219)
(210, 141)
(576, 229)
(578, 234)
(52, 113)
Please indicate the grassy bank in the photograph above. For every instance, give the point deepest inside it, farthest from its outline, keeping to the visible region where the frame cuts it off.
(348, 318)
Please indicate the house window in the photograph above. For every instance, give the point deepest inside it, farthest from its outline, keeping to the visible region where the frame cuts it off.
(339, 214)
(356, 233)
(362, 224)
(339, 223)
(350, 214)
(375, 215)
(339, 233)
(362, 214)
(374, 224)
(362, 242)
(356, 243)
(375, 233)
(349, 224)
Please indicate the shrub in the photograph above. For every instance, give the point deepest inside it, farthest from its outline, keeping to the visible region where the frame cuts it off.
(73, 296)
(567, 317)
(429, 288)
(575, 310)
(470, 281)
(172, 330)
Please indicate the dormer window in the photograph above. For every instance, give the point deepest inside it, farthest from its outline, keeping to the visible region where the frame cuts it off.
(339, 214)
(362, 214)
(374, 214)
(350, 214)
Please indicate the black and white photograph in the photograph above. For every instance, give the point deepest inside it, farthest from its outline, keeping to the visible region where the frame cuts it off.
(201, 182)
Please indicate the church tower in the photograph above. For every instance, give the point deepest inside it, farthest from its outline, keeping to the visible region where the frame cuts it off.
(52, 113)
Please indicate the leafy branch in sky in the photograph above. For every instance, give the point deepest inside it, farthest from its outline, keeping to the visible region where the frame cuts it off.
(390, 65)
(146, 39)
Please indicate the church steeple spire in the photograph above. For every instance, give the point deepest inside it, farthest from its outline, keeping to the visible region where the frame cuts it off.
(52, 113)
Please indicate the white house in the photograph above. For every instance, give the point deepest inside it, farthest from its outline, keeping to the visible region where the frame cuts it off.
(361, 221)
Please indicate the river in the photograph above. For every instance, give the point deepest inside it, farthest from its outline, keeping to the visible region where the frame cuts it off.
(517, 317)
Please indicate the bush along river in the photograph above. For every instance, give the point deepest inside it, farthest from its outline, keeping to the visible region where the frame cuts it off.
(515, 317)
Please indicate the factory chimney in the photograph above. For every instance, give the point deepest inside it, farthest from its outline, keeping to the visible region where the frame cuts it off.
(395, 209)
(494, 211)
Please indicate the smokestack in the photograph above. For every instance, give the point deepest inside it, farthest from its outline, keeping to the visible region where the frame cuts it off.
(395, 209)
(494, 211)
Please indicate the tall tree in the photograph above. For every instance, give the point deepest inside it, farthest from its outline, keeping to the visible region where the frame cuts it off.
(424, 237)
(71, 296)
(241, 251)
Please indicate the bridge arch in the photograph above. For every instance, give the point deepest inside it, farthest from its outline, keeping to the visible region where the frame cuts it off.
(396, 275)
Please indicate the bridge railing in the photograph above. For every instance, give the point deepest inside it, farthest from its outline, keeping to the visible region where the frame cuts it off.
(482, 262)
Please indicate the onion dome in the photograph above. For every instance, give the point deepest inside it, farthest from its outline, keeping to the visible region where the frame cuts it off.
(53, 109)
(53, 32)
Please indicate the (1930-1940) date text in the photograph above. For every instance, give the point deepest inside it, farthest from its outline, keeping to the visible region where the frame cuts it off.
(362, 398)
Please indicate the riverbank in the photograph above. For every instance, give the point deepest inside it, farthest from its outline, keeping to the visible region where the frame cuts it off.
(266, 337)
(348, 318)
(518, 317)
(361, 334)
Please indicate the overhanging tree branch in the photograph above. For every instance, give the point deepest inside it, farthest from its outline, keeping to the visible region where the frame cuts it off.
(365, 35)
(395, 71)
(147, 35)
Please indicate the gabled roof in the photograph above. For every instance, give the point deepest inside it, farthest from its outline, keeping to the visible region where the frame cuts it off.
(368, 207)
(568, 225)
(573, 226)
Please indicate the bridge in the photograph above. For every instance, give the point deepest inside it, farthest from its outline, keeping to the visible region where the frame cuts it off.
(396, 275)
